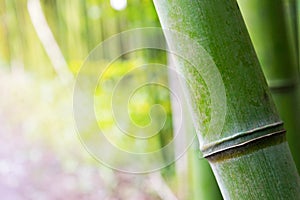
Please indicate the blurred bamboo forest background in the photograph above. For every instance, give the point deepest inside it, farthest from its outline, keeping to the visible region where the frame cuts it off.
(77, 26)
(43, 43)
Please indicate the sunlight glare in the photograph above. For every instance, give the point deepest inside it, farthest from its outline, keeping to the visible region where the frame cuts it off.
(118, 4)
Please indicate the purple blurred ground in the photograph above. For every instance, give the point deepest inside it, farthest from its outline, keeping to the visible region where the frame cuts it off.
(40, 155)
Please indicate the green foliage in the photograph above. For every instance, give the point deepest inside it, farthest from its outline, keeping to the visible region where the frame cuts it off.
(37, 108)
(139, 107)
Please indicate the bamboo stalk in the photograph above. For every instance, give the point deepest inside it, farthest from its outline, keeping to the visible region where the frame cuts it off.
(179, 127)
(250, 156)
(266, 26)
(15, 43)
(298, 31)
(292, 25)
(203, 183)
(48, 41)
(5, 46)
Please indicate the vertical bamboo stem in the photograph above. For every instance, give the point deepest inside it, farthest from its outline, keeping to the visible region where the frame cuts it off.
(205, 185)
(269, 33)
(202, 178)
(249, 157)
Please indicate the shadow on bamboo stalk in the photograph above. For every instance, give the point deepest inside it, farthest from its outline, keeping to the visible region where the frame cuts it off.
(204, 182)
(191, 170)
(249, 156)
(271, 35)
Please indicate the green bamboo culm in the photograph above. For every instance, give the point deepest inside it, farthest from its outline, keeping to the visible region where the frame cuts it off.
(204, 182)
(298, 30)
(250, 156)
(270, 36)
(200, 178)
(290, 8)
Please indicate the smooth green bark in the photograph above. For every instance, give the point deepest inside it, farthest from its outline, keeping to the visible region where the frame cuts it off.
(263, 170)
(298, 30)
(201, 179)
(269, 32)
(204, 183)
(292, 24)
(251, 117)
